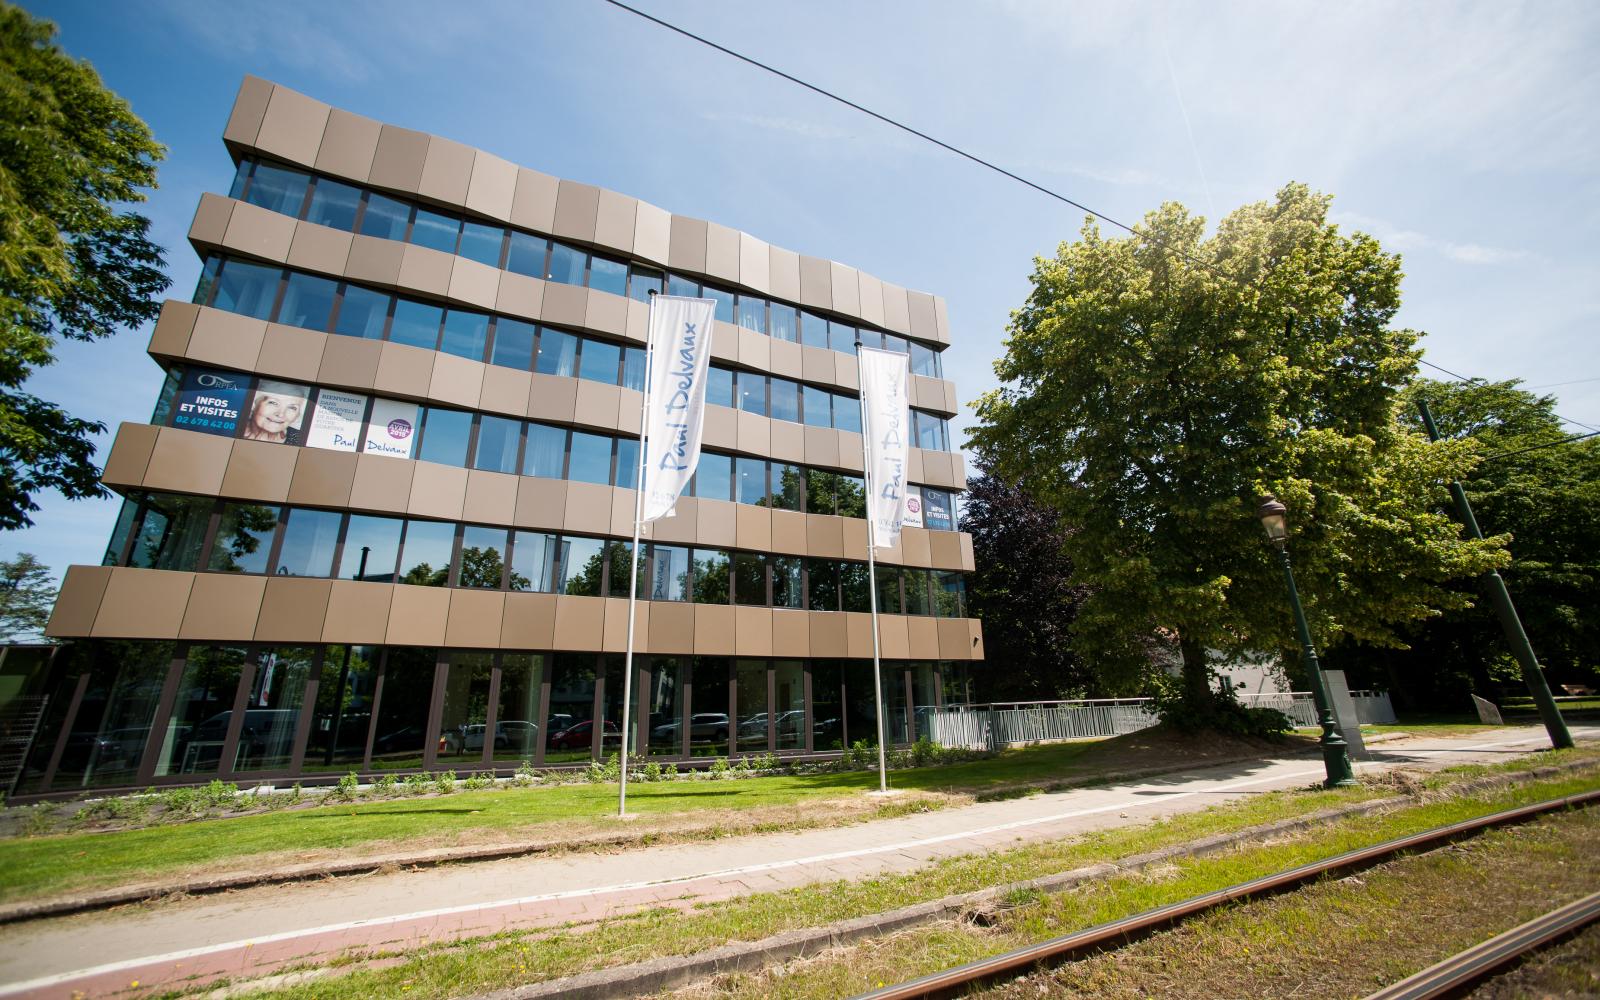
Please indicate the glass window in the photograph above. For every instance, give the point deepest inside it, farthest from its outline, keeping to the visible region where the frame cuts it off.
(711, 569)
(435, 231)
(247, 289)
(949, 594)
(526, 255)
(930, 431)
(937, 512)
(570, 727)
(846, 412)
(643, 282)
(677, 284)
(822, 585)
(581, 566)
(752, 481)
(918, 600)
(752, 715)
(566, 265)
(533, 558)
(482, 243)
(244, 538)
(546, 453)
(789, 704)
(608, 275)
(558, 353)
(278, 190)
(853, 589)
(669, 573)
(599, 361)
(343, 712)
(465, 334)
(889, 590)
(664, 705)
(724, 302)
(827, 697)
(309, 540)
(362, 313)
(753, 393)
(620, 555)
(785, 399)
(371, 548)
(498, 438)
(463, 715)
(785, 322)
(241, 177)
(513, 344)
(788, 486)
(871, 338)
(633, 368)
(108, 737)
(416, 323)
(753, 312)
(591, 458)
(813, 330)
(818, 406)
(444, 436)
(921, 359)
(719, 387)
(425, 560)
(821, 492)
(483, 557)
(749, 578)
(708, 719)
(841, 337)
(334, 205)
(399, 733)
(517, 723)
(208, 281)
(852, 496)
(172, 532)
(895, 343)
(384, 217)
(198, 725)
(120, 531)
(272, 712)
(164, 399)
(307, 302)
(786, 588)
(713, 477)
(627, 463)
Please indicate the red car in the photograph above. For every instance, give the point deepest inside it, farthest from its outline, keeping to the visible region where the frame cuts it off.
(580, 735)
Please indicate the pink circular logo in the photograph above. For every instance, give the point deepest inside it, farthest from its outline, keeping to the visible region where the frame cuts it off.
(399, 429)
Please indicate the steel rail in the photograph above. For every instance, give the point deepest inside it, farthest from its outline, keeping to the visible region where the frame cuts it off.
(1103, 937)
(1481, 961)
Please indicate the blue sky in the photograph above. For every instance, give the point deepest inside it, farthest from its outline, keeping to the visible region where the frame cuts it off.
(1460, 134)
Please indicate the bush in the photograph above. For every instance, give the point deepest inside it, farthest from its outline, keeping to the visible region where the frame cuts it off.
(525, 775)
(417, 784)
(385, 786)
(1219, 712)
(40, 819)
(650, 772)
(719, 768)
(445, 783)
(479, 781)
(348, 789)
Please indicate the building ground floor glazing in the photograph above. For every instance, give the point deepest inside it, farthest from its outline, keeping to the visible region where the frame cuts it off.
(129, 714)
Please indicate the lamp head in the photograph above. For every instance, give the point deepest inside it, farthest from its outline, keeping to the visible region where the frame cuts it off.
(1275, 518)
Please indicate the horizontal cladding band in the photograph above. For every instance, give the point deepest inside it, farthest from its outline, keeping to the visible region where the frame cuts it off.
(297, 129)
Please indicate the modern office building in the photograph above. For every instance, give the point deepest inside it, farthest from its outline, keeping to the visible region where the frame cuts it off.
(380, 516)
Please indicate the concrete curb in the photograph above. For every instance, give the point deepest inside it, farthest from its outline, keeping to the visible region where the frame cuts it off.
(663, 974)
(122, 895)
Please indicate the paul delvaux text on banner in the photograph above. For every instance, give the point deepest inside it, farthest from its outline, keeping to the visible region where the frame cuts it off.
(680, 344)
(885, 376)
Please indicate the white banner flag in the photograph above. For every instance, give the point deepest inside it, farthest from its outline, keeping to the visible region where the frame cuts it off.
(675, 406)
(885, 377)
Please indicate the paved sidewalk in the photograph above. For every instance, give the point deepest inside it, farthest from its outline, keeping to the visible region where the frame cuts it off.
(257, 930)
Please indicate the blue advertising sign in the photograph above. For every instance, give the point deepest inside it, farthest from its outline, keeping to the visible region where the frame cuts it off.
(210, 401)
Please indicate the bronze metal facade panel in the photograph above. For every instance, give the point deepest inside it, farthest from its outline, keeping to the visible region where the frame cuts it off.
(630, 411)
(638, 325)
(755, 349)
(293, 610)
(289, 352)
(606, 313)
(615, 639)
(596, 405)
(788, 441)
(846, 289)
(348, 145)
(724, 341)
(259, 470)
(209, 227)
(924, 324)
(425, 270)
(417, 616)
(721, 429)
(816, 282)
(893, 638)
(349, 363)
(566, 305)
(975, 631)
(588, 509)
(615, 221)
(822, 447)
(493, 188)
(922, 636)
(791, 633)
(722, 253)
(534, 204)
(456, 380)
(292, 127)
(375, 261)
(896, 309)
(623, 505)
(941, 319)
(679, 529)
(577, 210)
(825, 536)
(226, 339)
(437, 491)
(318, 248)
(223, 608)
(476, 619)
(382, 484)
(187, 462)
(671, 628)
(505, 390)
(851, 457)
(322, 478)
(78, 602)
(752, 632)
(784, 271)
(529, 621)
(755, 434)
(687, 248)
(916, 546)
(520, 295)
(130, 455)
(446, 171)
(249, 107)
(357, 612)
(398, 163)
(817, 365)
(858, 634)
(786, 359)
(258, 232)
(580, 623)
(955, 640)
(855, 537)
(828, 633)
(789, 531)
(652, 233)
(715, 523)
(871, 292)
(170, 337)
(944, 549)
(846, 370)
(752, 527)
(713, 630)
(142, 604)
(541, 503)
(474, 283)
(966, 552)
(491, 497)
(405, 370)
(755, 263)
(553, 398)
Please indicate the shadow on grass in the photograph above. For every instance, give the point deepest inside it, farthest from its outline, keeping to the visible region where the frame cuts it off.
(339, 812)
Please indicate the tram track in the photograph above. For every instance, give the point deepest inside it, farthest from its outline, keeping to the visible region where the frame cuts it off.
(1116, 934)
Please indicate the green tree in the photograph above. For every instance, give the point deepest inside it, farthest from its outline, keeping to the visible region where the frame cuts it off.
(1155, 387)
(75, 262)
(27, 592)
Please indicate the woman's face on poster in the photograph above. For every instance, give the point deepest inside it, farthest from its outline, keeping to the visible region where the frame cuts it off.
(276, 412)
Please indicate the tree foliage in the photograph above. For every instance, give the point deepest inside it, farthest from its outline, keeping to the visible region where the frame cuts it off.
(27, 592)
(74, 261)
(1024, 591)
(1155, 387)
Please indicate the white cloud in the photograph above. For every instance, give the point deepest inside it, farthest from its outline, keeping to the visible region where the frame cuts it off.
(775, 123)
(1396, 238)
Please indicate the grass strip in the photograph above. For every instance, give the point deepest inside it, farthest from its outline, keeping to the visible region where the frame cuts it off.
(506, 960)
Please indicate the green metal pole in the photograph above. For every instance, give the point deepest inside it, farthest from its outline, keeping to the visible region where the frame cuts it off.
(1335, 756)
(1510, 622)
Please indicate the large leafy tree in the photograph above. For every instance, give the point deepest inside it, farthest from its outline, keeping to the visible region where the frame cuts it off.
(1025, 593)
(75, 262)
(1154, 387)
(27, 593)
(1540, 489)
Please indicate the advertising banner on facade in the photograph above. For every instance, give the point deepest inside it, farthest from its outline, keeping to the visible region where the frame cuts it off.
(276, 412)
(210, 401)
(336, 421)
(392, 429)
(912, 516)
(885, 376)
(675, 405)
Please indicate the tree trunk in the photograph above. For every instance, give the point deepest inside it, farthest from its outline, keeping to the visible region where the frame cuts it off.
(1196, 675)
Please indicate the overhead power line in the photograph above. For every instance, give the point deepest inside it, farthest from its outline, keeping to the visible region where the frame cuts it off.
(1541, 447)
(980, 161)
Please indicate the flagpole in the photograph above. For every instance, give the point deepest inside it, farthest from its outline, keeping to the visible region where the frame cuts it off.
(633, 570)
(872, 574)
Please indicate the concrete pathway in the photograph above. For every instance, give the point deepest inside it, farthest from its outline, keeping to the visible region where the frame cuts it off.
(254, 931)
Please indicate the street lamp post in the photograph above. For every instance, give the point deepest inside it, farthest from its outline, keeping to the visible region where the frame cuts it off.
(1274, 517)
